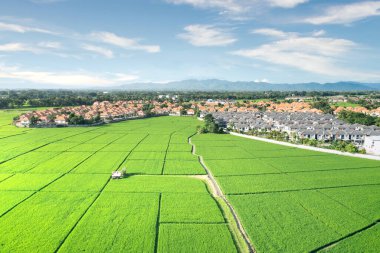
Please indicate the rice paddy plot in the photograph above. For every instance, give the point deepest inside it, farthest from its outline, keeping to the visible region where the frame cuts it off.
(27, 182)
(189, 207)
(101, 162)
(57, 146)
(26, 162)
(363, 200)
(61, 163)
(326, 162)
(178, 167)
(365, 241)
(85, 147)
(157, 184)
(9, 199)
(117, 222)
(179, 147)
(153, 167)
(105, 138)
(195, 238)
(180, 156)
(139, 155)
(240, 167)
(42, 221)
(146, 147)
(118, 147)
(79, 182)
(294, 224)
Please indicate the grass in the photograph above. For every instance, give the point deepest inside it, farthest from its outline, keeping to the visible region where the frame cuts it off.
(156, 184)
(195, 238)
(41, 221)
(292, 200)
(189, 207)
(8, 199)
(56, 193)
(289, 200)
(27, 182)
(117, 222)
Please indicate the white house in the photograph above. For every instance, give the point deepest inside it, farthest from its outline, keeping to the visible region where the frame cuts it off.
(372, 144)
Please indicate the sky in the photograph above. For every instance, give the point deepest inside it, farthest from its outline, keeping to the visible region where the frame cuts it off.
(101, 43)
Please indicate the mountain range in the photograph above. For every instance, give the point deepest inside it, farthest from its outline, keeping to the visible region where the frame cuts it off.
(218, 85)
(222, 85)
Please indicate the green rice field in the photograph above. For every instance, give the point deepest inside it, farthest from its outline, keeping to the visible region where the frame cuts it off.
(56, 194)
(294, 200)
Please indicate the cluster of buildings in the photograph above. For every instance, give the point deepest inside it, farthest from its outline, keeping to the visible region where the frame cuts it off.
(100, 112)
(360, 109)
(251, 106)
(322, 127)
(106, 111)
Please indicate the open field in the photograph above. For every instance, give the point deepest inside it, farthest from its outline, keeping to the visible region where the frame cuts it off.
(293, 200)
(56, 194)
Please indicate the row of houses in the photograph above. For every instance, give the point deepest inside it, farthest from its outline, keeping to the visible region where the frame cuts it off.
(322, 127)
(100, 112)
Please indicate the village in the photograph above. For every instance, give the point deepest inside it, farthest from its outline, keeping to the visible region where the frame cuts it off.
(302, 125)
(297, 119)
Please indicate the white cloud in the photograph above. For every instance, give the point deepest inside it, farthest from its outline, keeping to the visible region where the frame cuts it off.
(312, 54)
(286, 3)
(206, 35)
(22, 29)
(319, 33)
(346, 14)
(50, 44)
(234, 8)
(264, 80)
(17, 47)
(124, 42)
(99, 50)
(65, 78)
(273, 33)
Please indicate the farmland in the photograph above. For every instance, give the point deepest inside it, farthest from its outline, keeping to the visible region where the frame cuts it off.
(293, 200)
(56, 192)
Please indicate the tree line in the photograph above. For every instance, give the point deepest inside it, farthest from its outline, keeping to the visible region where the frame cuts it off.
(57, 98)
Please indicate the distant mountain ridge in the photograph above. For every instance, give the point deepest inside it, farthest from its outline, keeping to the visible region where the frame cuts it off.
(216, 85)
(222, 85)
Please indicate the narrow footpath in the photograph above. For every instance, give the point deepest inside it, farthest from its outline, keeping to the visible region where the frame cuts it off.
(218, 193)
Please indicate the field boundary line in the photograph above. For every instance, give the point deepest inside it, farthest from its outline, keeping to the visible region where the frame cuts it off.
(39, 190)
(130, 152)
(336, 152)
(8, 136)
(7, 178)
(304, 189)
(333, 243)
(195, 223)
(31, 195)
(158, 223)
(44, 145)
(219, 193)
(295, 172)
(81, 217)
(62, 152)
(166, 153)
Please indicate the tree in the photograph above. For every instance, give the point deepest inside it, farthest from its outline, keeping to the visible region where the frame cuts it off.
(210, 126)
(33, 120)
(358, 118)
(322, 105)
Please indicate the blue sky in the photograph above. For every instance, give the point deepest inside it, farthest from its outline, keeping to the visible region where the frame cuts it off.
(86, 43)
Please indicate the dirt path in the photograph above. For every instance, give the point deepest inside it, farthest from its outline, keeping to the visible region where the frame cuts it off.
(218, 193)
